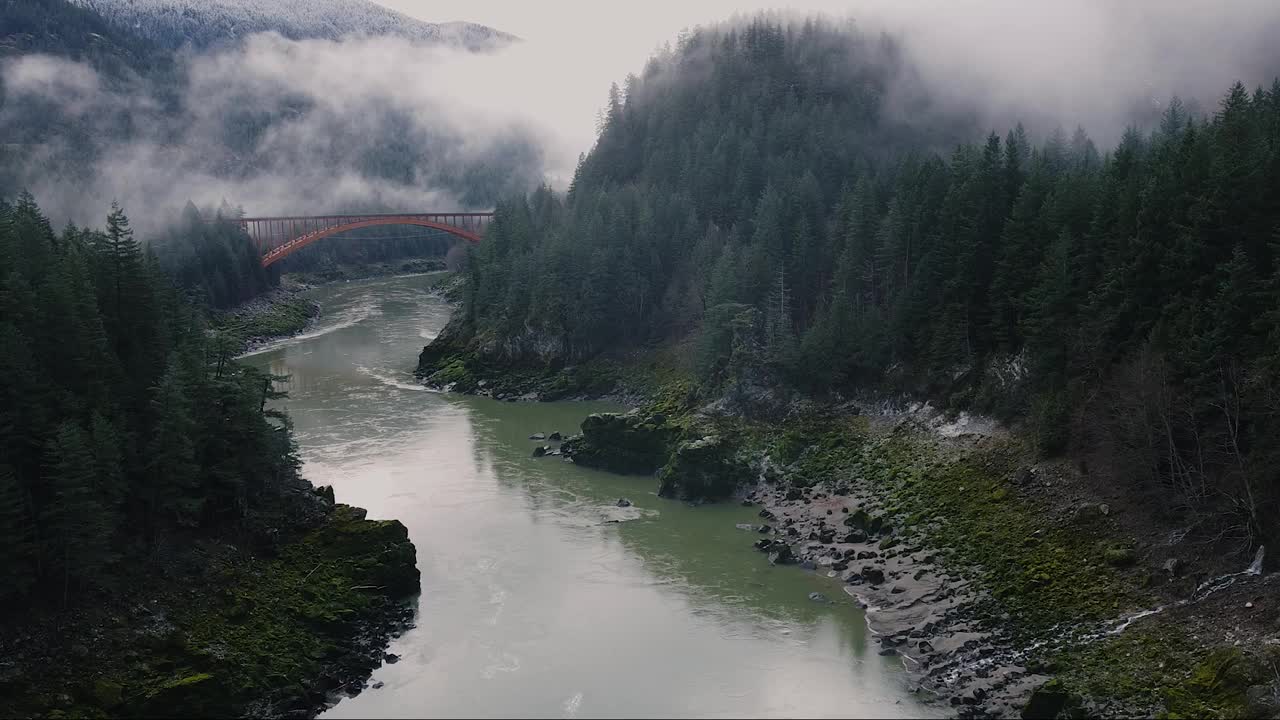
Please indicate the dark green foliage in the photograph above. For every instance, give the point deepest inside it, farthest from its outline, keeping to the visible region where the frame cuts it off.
(211, 257)
(16, 534)
(751, 188)
(122, 427)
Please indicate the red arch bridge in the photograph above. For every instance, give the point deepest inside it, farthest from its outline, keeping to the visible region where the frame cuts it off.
(278, 237)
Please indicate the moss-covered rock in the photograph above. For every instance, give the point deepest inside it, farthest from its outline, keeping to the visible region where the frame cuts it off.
(702, 469)
(108, 694)
(1119, 556)
(454, 375)
(197, 694)
(630, 444)
(1047, 701)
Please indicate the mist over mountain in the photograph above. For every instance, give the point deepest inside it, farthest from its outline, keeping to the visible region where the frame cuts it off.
(96, 112)
(205, 23)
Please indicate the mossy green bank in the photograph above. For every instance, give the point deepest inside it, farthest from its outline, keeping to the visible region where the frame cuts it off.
(247, 635)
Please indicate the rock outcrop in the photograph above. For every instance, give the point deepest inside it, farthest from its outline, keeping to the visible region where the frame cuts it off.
(702, 469)
(630, 444)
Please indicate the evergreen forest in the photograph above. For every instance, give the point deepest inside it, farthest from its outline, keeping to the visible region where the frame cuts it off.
(774, 195)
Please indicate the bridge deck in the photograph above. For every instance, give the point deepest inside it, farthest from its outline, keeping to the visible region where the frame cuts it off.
(279, 236)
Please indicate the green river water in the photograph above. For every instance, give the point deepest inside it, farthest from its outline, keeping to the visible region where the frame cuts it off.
(532, 604)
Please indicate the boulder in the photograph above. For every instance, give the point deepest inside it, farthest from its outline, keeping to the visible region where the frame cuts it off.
(555, 436)
(818, 597)
(780, 554)
(1262, 701)
(1119, 556)
(702, 469)
(1047, 701)
(538, 436)
(391, 658)
(540, 451)
(872, 574)
(623, 502)
(855, 536)
(626, 444)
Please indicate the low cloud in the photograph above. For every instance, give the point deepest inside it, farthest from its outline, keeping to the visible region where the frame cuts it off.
(276, 126)
(283, 126)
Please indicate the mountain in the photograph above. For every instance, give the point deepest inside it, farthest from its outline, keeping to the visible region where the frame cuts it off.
(60, 28)
(96, 91)
(206, 23)
(759, 200)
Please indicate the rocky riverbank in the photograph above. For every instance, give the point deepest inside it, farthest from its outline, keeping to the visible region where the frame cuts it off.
(281, 313)
(1012, 588)
(224, 631)
(285, 312)
(1008, 585)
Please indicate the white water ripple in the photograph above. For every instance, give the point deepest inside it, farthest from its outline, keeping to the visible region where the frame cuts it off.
(348, 318)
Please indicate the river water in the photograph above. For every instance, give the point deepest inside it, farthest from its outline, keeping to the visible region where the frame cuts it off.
(533, 604)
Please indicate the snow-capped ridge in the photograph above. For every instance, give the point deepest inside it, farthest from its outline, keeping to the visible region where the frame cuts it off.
(205, 23)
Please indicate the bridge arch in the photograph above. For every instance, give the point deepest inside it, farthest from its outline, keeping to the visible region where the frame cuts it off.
(280, 237)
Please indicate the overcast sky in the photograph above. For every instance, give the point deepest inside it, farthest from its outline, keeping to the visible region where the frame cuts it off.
(1096, 63)
(1069, 62)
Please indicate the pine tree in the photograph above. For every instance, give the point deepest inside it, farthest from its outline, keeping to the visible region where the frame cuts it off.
(75, 528)
(17, 547)
(780, 338)
(122, 256)
(172, 473)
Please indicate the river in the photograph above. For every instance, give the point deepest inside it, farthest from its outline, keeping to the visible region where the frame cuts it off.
(532, 603)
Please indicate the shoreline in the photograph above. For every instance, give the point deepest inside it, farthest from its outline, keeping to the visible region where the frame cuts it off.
(284, 313)
(1010, 585)
(916, 608)
(281, 632)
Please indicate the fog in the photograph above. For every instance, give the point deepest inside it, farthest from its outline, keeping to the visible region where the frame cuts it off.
(1098, 63)
(383, 122)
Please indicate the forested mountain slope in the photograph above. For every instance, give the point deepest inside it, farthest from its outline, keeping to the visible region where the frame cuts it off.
(61, 28)
(174, 23)
(124, 426)
(777, 192)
